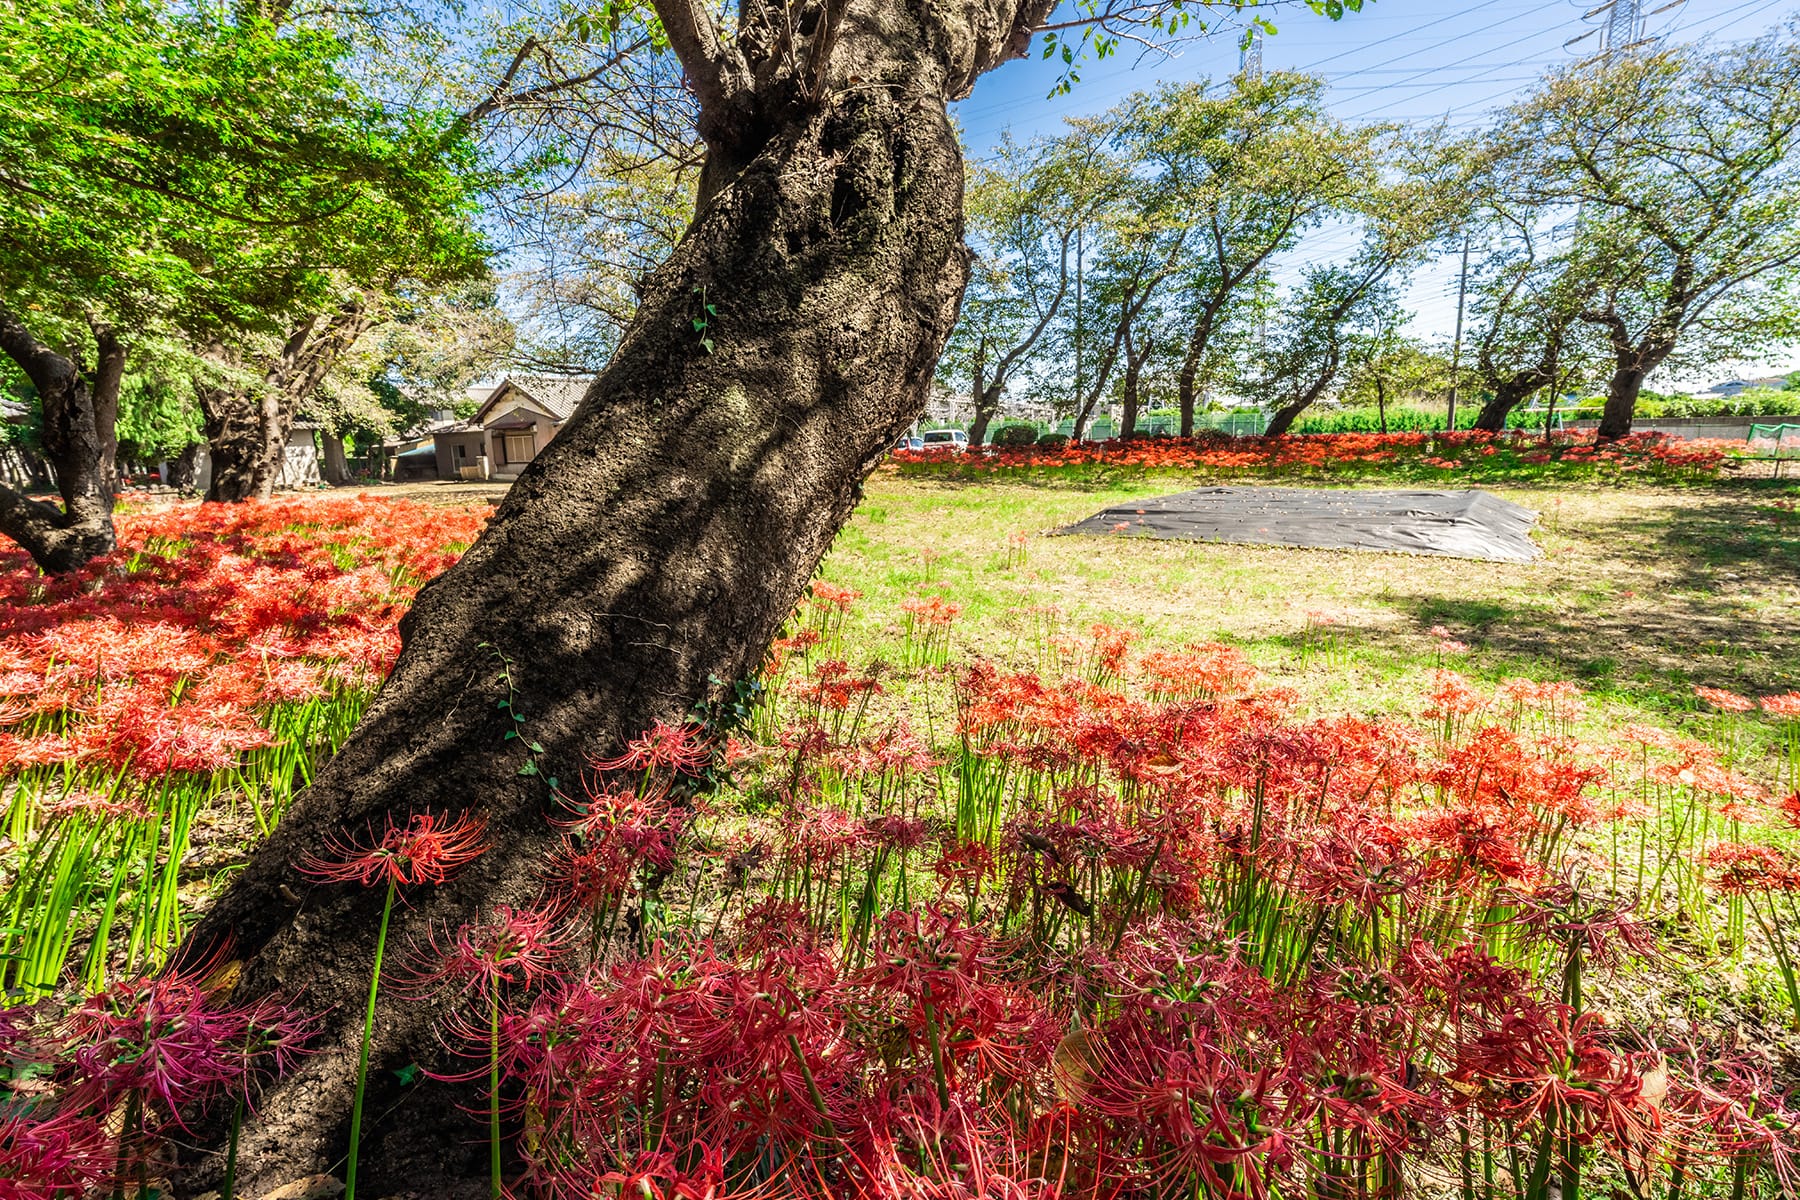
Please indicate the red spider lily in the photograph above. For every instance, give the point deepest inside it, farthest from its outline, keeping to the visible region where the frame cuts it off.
(1355, 865)
(1546, 1059)
(62, 1155)
(1785, 705)
(899, 751)
(1441, 451)
(831, 595)
(682, 749)
(1468, 980)
(1198, 672)
(1111, 644)
(423, 851)
(1581, 922)
(1745, 869)
(932, 610)
(1724, 701)
(512, 948)
(902, 833)
(246, 616)
(164, 1041)
(832, 688)
(1453, 697)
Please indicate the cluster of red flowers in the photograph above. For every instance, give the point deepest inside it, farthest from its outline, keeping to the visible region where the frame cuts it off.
(1135, 933)
(96, 1089)
(1130, 927)
(1446, 452)
(166, 655)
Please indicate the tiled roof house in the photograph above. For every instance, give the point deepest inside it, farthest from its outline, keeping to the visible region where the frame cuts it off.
(514, 423)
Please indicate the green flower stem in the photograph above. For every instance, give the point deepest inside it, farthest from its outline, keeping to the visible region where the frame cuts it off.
(228, 1188)
(494, 1188)
(937, 1049)
(362, 1060)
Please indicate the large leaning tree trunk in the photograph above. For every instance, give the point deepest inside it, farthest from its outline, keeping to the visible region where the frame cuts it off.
(1633, 360)
(1510, 391)
(649, 552)
(247, 427)
(1634, 357)
(81, 412)
(1187, 379)
(989, 389)
(1283, 418)
(1513, 388)
(1137, 353)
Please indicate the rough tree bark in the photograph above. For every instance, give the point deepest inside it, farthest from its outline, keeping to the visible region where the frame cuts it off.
(1283, 418)
(247, 429)
(332, 464)
(80, 410)
(1137, 353)
(1635, 358)
(655, 546)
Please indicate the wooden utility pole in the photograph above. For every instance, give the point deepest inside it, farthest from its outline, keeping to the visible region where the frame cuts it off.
(1462, 292)
(1079, 314)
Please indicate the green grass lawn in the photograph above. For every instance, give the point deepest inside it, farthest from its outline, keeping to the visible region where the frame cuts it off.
(1642, 595)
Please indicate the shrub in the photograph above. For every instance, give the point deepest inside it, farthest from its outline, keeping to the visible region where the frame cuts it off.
(1053, 441)
(1015, 435)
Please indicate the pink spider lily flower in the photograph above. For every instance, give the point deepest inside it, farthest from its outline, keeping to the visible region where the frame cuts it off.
(425, 850)
(680, 748)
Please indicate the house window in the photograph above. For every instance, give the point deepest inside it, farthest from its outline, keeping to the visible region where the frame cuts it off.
(519, 447)
(462, 452)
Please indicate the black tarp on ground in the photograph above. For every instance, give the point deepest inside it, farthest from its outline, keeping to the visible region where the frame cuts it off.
(1466, 524)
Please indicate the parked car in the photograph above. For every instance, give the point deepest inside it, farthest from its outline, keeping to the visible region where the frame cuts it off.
(906, 443)
(953, 440)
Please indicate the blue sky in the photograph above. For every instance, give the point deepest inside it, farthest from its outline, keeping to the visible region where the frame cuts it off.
(1397, 60)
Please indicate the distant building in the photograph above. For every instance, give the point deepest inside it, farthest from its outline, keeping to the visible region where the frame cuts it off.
(1732, 387)
(512, 424)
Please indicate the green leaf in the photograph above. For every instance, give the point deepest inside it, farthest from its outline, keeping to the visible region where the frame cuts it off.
(530, 768)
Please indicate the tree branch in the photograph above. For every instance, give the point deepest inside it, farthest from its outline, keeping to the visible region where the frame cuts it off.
(716, 72)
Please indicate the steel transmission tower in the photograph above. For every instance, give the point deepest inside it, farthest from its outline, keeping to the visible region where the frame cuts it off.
(1250, 57)
(1625, 26)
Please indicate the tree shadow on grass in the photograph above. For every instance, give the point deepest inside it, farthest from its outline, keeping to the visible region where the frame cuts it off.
(1643, 606)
